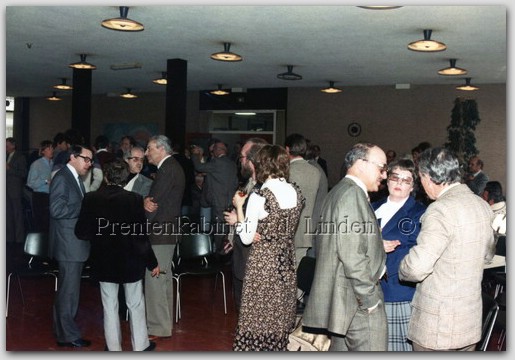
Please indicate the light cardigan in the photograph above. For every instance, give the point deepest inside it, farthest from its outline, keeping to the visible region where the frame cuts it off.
(286, 197)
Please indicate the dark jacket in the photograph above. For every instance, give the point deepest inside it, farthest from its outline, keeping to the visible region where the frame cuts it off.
(403, 226)
(114, 221)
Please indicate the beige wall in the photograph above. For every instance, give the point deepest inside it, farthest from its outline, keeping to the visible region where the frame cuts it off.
(393, 119)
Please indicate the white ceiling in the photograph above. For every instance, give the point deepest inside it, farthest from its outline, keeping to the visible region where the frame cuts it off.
(343, 43)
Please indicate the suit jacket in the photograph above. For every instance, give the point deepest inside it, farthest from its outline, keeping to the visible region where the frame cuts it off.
(321, 194)
(167, 190)
(350, 260)
(405, 227)
(65, 202)
(142, 185)
(221, 182)
(113, 219)
(455, 240)
(15, 176)
(307, 177)
(323, 165)
(478, 183)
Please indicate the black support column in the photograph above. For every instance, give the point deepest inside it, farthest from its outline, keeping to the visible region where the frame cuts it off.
(81, 102)
(175, 115)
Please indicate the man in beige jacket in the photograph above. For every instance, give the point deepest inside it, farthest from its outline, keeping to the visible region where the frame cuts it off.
(454, 243)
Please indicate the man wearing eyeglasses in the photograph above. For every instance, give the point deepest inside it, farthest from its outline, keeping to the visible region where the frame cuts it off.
(137, 182)
(65, 199)
(346, 298)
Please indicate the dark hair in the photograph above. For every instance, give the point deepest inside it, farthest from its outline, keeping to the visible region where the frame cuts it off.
(59, 138)
(11, 140)
(101, 142)
(257, 144)
(404, 164)
(76, 149)
(131, 140)
(494, 189)
(44, 144)
(440, 164)
(358, 151)
(296, 144)
(116, 172)
(271, 161)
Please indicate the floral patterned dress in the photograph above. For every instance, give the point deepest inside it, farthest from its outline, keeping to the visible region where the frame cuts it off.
(268, 307)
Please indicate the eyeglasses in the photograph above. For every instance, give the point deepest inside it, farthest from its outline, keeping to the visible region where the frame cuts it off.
(87, 160)
(135, 158)
(382, 167)
(396, 178)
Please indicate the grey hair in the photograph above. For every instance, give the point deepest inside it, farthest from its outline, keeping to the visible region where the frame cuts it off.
(358, 151)
(127, 154)
(441, 165)
(162, 141)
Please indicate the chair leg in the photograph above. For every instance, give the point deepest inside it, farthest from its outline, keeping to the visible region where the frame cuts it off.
(223, 286)
(484, 345)
(8, 289)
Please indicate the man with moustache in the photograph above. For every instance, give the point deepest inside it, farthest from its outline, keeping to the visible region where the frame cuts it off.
(136, 182)
(240, 251)
(346, 298)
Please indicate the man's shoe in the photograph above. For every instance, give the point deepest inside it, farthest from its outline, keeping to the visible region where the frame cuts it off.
(75, 343)
(151, 347)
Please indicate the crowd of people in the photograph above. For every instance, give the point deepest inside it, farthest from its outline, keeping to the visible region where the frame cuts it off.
(399, 241)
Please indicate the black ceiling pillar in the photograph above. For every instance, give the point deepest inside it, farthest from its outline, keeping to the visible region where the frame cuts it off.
(175, 115)
(81, 102)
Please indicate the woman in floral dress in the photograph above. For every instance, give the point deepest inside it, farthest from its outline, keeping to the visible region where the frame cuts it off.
(268, 308)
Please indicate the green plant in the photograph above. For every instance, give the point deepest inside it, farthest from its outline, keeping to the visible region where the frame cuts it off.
(460, 132)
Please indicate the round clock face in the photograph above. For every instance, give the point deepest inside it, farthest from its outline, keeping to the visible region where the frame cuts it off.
(354, 129)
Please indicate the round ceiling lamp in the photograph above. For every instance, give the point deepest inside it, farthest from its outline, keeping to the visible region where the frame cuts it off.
(468, 86)
(452, 70)
(54, 97)
(331, 89)
(122, 23)
(289, 75)
(226, 55)
(82, 64)
(63, 85)
(162, 80)
(219, 91)
(427, 45)
(128, 94)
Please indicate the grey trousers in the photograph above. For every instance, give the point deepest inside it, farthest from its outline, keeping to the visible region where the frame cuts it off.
(367, 332)
(135, 301)
(159, 294)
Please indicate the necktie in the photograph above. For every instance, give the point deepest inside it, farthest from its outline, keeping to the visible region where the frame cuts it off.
(81, 184)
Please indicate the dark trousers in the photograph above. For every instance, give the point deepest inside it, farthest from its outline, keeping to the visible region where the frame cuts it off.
(40, 211)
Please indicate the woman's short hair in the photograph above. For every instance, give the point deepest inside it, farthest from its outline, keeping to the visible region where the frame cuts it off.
(440, 164)
(271, 161)
(404, 164)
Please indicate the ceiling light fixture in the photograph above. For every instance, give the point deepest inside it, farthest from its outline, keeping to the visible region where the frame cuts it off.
(468, 86)
(427, 45)
(452, 70)
(82, 64)
(331, 89)
(379, 7)
(245, 113)
(122, 23)
(162, 80)
(54, 97)
(226, 55)
(128, 94)
(289, 75)
(63, 85)
(219, 91)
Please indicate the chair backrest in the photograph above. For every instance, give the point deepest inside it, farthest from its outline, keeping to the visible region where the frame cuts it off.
(490, 310)
(306, 273)
(193, 246)
(36, 244)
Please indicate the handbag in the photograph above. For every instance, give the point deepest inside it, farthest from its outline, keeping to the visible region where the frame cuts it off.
(300, 340)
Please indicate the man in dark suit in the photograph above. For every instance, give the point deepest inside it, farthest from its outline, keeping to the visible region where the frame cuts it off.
(476, 179)
(240, 251)
(113, 219)
(16, 172)
(163, 209)
(221, 182)
(66, 193)
(346, 298)
(136, 181)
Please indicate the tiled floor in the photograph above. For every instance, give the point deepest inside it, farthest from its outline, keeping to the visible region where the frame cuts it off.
(203, 327)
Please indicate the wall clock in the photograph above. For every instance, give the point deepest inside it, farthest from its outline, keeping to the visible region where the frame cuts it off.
(354, 129)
